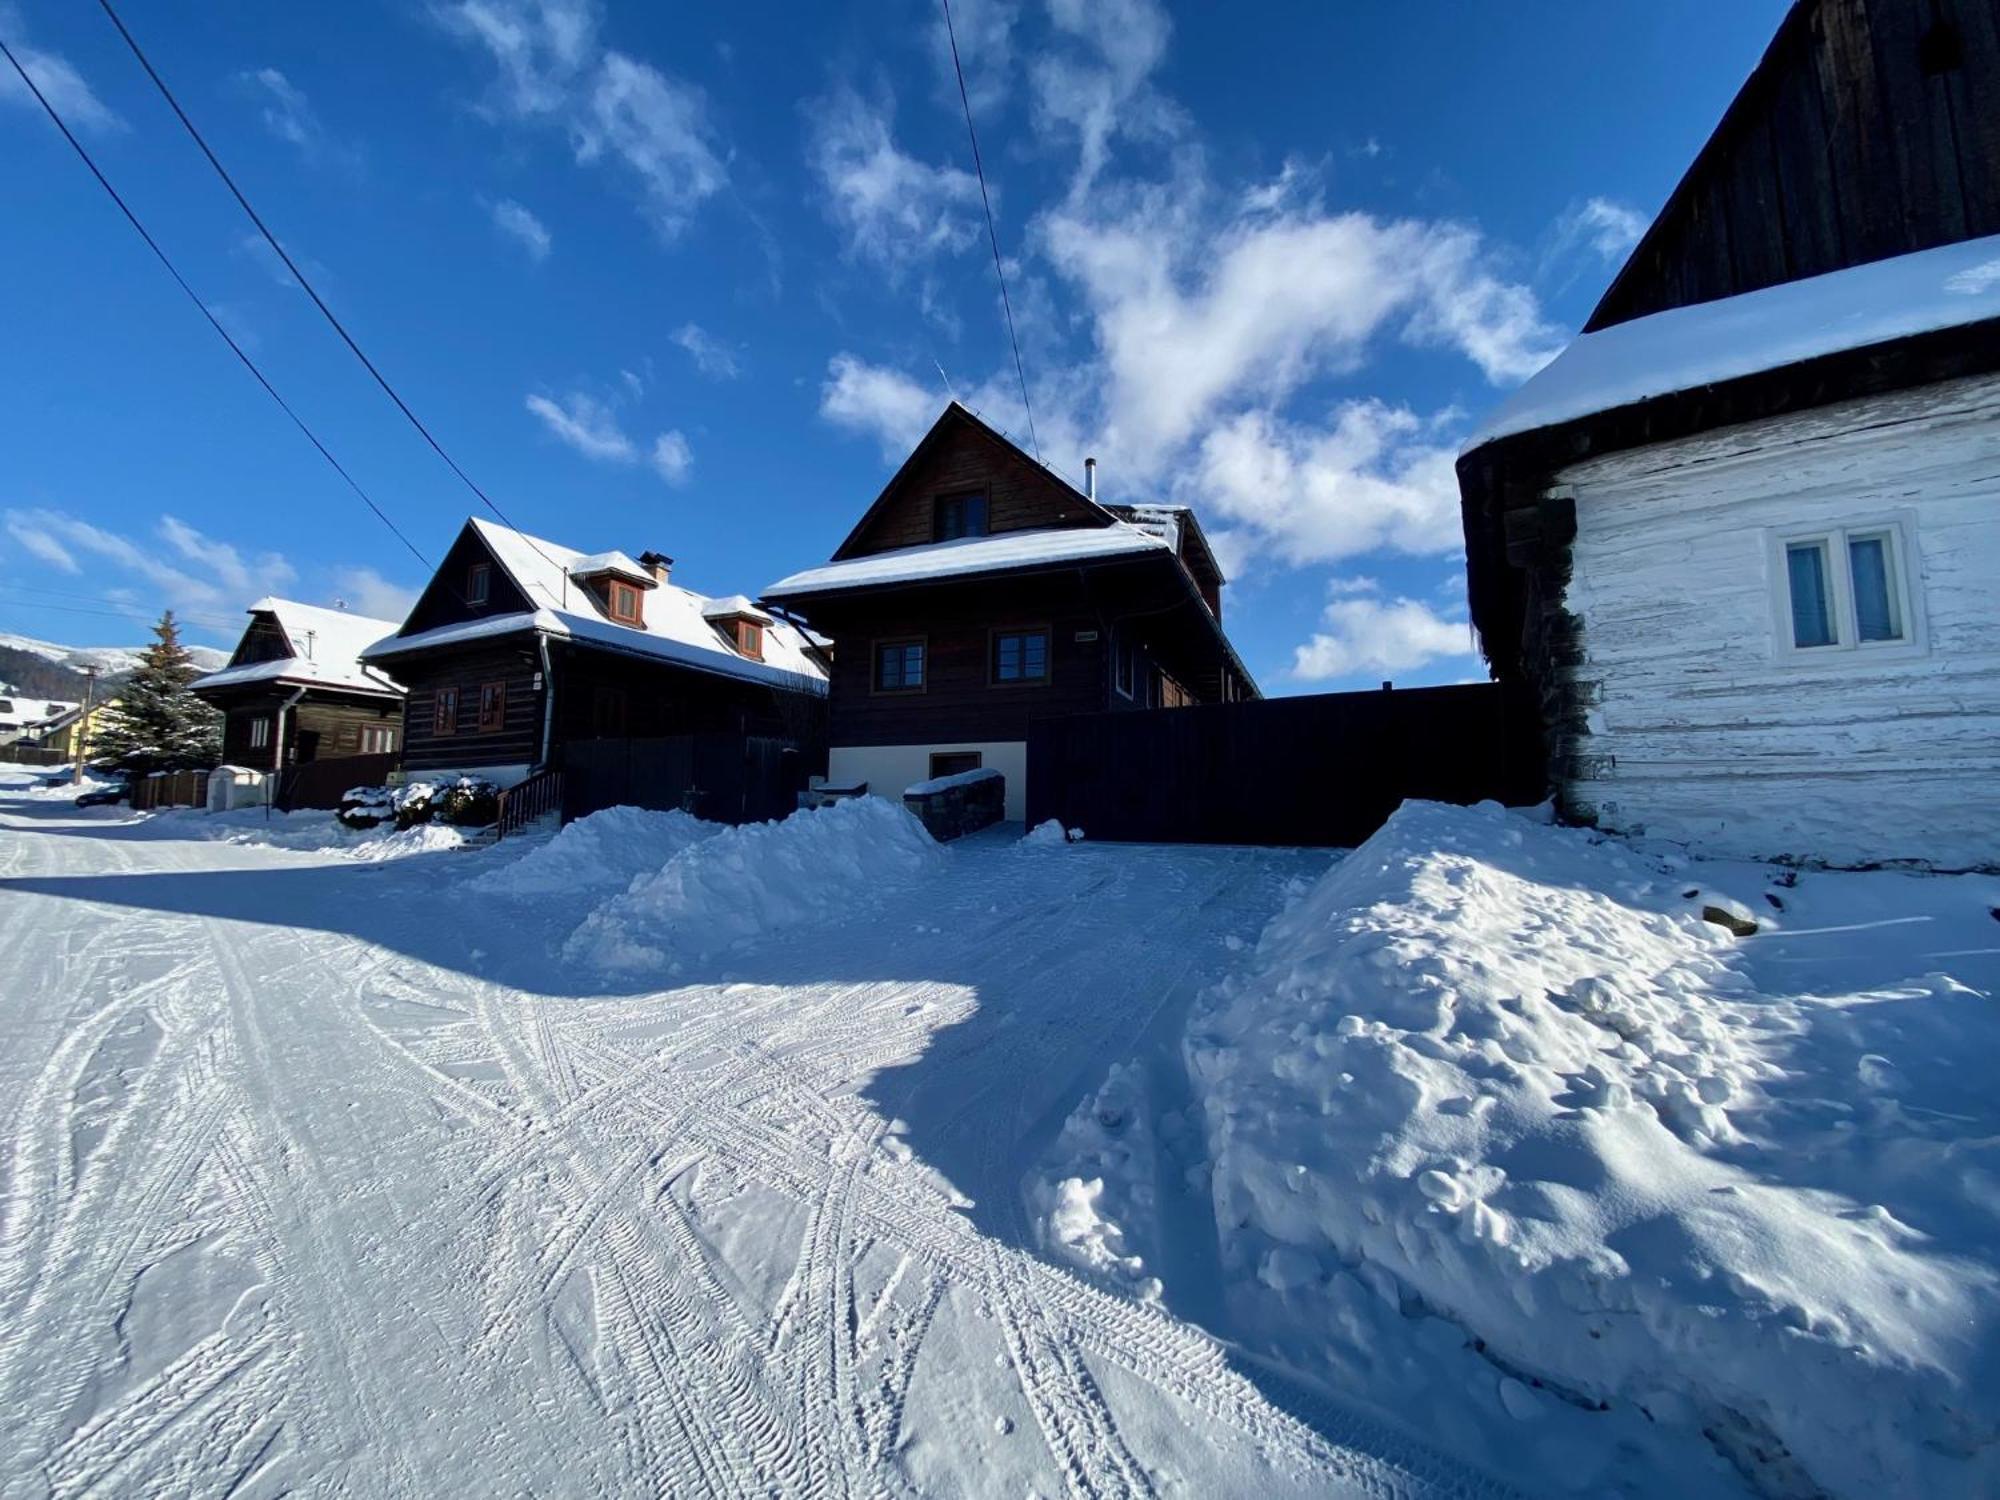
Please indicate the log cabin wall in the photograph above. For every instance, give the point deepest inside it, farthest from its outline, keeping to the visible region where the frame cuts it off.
(512, 662)
(1871, 128)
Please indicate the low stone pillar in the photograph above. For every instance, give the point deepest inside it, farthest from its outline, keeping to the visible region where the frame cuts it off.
(950, 807)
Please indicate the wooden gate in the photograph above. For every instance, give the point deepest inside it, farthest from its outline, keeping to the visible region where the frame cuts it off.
(728, 778)
(1323, 769)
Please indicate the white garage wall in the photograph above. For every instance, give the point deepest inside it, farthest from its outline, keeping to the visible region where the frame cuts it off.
(889, 768)
(1703, 730)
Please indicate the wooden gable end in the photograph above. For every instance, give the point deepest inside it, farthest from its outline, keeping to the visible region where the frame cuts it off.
(445, 600)
(1871, 128)
(263, 640)
(960, 456)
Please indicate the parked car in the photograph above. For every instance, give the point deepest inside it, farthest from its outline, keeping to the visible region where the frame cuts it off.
(61, 776)
(105, 796)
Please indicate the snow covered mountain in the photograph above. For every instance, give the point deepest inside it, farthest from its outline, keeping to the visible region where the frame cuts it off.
(113, 661)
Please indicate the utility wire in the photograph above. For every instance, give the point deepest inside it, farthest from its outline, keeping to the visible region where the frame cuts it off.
(181, 281)
(305, 285)
(992, 235)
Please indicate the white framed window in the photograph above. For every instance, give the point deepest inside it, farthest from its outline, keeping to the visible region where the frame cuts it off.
(1851, 588)
(260, 733)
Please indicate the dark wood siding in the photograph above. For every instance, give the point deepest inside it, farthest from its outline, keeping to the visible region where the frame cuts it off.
(320, 726)
(1020, 495)
(263, 640)
(335, 726)
(1871, 128)
(237, 717)
(519, 741)
(604, 695)
(443, 599)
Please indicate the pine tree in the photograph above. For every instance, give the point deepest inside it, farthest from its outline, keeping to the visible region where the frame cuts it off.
(157, 724)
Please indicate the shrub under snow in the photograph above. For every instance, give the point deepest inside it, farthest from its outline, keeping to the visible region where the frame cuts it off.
(1506, 1073)
(755, 879)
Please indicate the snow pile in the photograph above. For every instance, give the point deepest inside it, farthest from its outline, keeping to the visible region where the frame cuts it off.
(307, 831)
(1506, 1073)
(956, 779)
(1050, 834)
(601, 852)
(754, 879)
(1110, 1137)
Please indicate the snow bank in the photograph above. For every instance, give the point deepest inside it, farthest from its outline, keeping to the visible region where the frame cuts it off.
(1506, 1073)
(603, 851)
(756, 879)
(1050, 834)
(308, 830)
(1108, 1139)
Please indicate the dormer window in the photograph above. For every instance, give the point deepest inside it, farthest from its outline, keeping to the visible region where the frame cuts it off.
(623, 600)
(959, 516)
(478, 581)
(748, 637)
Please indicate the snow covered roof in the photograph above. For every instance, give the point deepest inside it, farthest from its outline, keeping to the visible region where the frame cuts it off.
(1005, 552)
(26, 713)
(1686, 347)
(729, 606)
(326, 650)
(596, 564)
(676, 629)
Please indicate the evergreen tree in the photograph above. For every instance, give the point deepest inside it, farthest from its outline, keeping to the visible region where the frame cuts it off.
(157, 724)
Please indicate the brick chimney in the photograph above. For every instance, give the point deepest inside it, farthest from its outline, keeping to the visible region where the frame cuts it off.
(658, 564)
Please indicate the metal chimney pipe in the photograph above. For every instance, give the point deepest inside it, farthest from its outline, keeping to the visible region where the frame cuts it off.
(1090, 478)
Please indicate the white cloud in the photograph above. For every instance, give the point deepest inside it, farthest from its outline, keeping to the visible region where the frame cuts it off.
(1610, 229)
(592, 428)
(367, 592)
(881, 403)
(587, 425)
(672, 459)
(65, 89)
(1375, 636)
(287, 113)
(1371, 478)
(1096, 87)
(210, 576)
(985, 30)
(711, 355)
(552, 67)
(894, 209)
(513, 219)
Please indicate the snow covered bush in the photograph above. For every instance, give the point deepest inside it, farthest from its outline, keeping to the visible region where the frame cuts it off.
(756, 879)
(601, 852)
(1506, 1074)
(467, 802)
(367, 806)
(463, 802)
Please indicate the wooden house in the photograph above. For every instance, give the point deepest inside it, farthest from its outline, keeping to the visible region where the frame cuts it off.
(1741, 538)
(981, 591)
(519, 646)
(296, 690)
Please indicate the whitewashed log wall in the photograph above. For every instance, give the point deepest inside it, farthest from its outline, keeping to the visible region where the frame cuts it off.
(1700, 731)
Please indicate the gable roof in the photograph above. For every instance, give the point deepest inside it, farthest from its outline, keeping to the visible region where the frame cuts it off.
(324, 648)
(1002, 552)
(675, 630)
(1862, 133)
(958, 417)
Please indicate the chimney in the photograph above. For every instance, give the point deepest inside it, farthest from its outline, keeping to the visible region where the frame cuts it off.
(1090, 478)
(658, 564)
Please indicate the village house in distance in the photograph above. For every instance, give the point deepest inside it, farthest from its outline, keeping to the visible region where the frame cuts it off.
(982, 591)
(519, 646)
(296, 690)
(1742, 538)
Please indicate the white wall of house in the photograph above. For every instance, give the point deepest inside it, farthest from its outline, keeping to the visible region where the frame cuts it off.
(889, 768)
(1707, 725)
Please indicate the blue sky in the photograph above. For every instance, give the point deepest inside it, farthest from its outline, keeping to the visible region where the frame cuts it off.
(685, 278)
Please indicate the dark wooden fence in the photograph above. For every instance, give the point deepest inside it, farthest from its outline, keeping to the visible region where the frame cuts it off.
(322, 783)
(1324, 769)
(160, 789)
(730, 778)
(33, 755)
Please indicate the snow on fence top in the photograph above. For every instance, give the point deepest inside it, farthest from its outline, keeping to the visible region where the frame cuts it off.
(327, 645)
(1686, 347)
(946, 783)
(981, 554)
(675, 629)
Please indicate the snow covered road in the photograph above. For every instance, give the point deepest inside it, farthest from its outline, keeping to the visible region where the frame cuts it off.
(332, 1177)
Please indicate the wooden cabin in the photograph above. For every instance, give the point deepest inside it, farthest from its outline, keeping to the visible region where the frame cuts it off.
(296, 690)
(982, 591)
(1741, 537)
(519, 646)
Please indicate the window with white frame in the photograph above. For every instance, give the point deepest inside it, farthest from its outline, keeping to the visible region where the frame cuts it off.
(1847, 588)
(260, 733)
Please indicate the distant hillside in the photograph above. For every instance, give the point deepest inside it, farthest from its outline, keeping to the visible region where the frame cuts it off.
(43, 669)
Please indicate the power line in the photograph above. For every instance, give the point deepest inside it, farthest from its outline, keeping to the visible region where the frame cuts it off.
(134, 615)
(305, 285)
(992, 235)
(181, 281)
